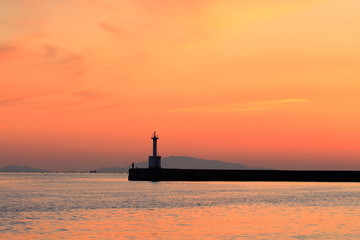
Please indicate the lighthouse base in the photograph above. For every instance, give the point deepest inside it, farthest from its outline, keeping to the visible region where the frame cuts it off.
(154, 162)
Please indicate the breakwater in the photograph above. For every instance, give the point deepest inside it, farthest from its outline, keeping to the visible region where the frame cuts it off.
(164, 174)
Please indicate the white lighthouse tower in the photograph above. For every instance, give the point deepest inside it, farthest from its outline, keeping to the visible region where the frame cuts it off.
(154, 160)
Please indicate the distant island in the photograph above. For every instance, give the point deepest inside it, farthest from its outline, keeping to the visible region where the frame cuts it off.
(15, 168)
(183, 162)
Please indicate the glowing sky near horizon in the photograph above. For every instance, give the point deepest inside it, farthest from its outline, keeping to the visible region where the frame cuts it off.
(275, 83)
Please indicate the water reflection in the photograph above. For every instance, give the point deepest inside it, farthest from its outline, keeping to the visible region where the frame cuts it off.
(106, 206)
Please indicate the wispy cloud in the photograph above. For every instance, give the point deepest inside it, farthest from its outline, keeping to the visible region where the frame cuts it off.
(56, 55)
(89, 94)
(243, 107)
(112, 28)
(249, 107)
(290, 100)
(10, 101)
(6, 48)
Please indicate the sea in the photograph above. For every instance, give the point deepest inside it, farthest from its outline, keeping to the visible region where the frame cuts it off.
(108, 206)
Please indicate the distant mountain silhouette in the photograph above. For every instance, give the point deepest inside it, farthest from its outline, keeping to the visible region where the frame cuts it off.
(20, 169)
(193, 163)
(182, 162)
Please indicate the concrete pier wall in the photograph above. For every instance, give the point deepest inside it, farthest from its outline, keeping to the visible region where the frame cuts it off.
(163, 174)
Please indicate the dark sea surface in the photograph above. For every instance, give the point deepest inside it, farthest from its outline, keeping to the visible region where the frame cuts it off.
(107, 206)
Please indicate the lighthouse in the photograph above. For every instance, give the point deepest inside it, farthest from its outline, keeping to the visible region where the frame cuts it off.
(154, 160)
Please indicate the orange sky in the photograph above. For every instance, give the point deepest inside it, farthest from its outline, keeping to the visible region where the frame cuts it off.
(272, 83)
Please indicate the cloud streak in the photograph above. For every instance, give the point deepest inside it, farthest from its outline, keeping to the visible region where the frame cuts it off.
(6, 48)
(57, 55)
(112, 29)
(10, 101)
(89, 94)
(250, 107)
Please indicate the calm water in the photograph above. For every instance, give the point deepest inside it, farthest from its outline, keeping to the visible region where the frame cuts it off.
(107, 206)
